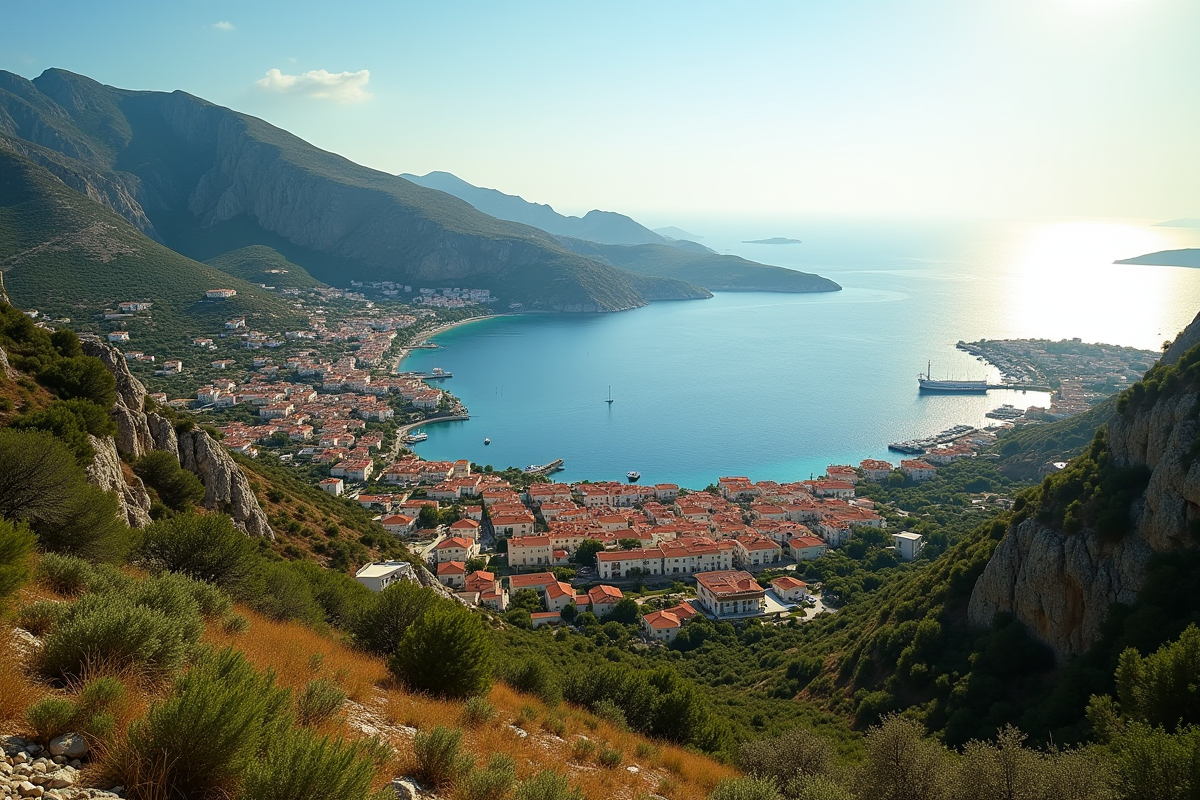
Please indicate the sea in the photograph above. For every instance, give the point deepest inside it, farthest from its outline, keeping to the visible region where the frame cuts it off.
(780, 386)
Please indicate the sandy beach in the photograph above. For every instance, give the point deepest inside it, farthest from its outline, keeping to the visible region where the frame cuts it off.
(424, 337)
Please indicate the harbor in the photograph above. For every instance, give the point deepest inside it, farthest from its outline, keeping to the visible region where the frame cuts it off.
(925, 444)
(545, 469)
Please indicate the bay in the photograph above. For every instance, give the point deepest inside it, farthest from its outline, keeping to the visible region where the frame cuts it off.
(778, 386)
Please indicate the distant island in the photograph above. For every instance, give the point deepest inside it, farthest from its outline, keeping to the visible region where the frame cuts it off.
(772, 240)
(1186, 222)
(1189, 257)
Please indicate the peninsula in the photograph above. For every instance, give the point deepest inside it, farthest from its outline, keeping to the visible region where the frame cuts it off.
(1188, 257)
(773, 240)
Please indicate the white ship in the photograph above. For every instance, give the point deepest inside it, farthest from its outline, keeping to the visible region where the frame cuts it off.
(928, 384)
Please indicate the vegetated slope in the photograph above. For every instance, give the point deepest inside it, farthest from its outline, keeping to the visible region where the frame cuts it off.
(68, 256)
(606, 227)
(1027, 449)
(718, 273)
(1188, 257)
(262, 264)
(182, 169)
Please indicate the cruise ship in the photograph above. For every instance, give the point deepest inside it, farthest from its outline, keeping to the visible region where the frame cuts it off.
(928, 384)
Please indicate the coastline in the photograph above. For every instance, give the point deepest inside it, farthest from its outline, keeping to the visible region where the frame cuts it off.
(424, 338)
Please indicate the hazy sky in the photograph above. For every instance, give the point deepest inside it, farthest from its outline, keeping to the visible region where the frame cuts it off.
(672, 110)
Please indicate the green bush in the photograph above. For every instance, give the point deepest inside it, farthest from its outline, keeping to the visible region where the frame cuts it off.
(71, 421)
(299, 765)
(608, 710)
(235, 623)
(547, 785)
(176, 487)
(100, 694)
(204, 737)
(438, 760)
(745, 789)
(205, 547)
(610, 758)
(81, 377)
(320, 700)
(384, 619)
(477, 711)
(494, 782)
(64, 574)
(50, 717)
(274, 591)
(534, 676)
(16, 543)
(40, 618)
(446, 652)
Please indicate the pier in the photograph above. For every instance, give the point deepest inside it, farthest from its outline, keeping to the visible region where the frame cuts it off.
(544, 469)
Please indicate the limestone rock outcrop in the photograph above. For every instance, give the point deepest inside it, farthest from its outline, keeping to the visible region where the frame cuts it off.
(105, 472)
(226, 487)
(1061, 586)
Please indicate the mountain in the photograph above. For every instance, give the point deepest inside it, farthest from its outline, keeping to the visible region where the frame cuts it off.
(206, 180)
(68, 256)
(1085, 540)
(606, 227)
(1189, 257)
(718, 273)
(671, 232)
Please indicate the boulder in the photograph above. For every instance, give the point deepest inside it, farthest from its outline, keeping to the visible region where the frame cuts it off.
(71, 745)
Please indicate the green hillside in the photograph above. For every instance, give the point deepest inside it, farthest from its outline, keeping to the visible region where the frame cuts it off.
(718, 273)
(261, 264)
(69, 257)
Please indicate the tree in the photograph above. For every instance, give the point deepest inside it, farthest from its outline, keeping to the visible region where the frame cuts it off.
(625, 612)
(207, 548)
(381, 623)
(446, 652)
(528, 599)
(476, 563)
(901, 764)
(629, 543)
(586, 554)
(66, 342)
(428, 517)
(569, 611)
(1162, 688)
(71, 421)
(176, 487)
(81, 376)
(16, 543)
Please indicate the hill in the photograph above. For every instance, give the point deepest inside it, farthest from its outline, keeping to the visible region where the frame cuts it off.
(718, 273)
(69, 257)
(206, 180)
(1188, 257)
(606, 227)
(260, 264)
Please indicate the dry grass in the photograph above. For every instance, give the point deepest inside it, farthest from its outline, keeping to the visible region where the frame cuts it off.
(17, 689)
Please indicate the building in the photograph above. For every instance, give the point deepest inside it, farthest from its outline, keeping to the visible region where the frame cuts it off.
(333, 486)
(399, 524)
(603, 599)
(918, 470)
(540, 618)
(452, 574)
(874, 470)
(456, 548)
(908, 545)
(130, 307)
(664, 626)
(791, 590)
(465, 529)
(756, 551)
(806, 548)
(119, 336)
(378, 577)
(730, 593)
(530, 551)
(220, 294)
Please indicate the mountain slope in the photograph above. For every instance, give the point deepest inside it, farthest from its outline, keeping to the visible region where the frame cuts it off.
(606, 227)
(185, 170)
(68, 256)
(718, 273)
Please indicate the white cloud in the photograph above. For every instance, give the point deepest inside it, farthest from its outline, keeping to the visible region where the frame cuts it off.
(223, 25)
(343, 87)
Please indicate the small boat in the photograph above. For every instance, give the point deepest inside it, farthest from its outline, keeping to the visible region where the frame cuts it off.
(419, 436)
(487, 441)
(610, 397)
(633, 475)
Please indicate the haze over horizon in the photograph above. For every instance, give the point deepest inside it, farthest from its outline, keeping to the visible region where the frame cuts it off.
(675, 111)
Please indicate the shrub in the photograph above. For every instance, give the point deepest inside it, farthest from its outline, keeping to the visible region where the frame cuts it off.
(611, 758)
(16, 543)
(277, 594)
(608, 710)
(299, 765)
(477, 711)
(70, 421)
(745, 789)
(382, 622)
(207, 548)
(41, 617)
(494, 782)
(50, 717)
(176, 487)
(437, 757)
(64, 574)
(445, 652)
(320, 700)
(100, 694)
(555, 725)
(583, 750)
(547, 785)
(235, 623)
(783, 758)
(534, 676)
(83, 377)
(201, 739)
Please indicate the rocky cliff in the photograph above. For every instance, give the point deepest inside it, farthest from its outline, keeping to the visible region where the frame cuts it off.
(226, 487)
(1061, 585)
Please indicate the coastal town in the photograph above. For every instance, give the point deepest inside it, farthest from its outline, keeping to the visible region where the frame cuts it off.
(332, 401)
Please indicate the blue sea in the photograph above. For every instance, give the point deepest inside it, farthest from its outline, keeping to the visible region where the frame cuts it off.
(778, 386)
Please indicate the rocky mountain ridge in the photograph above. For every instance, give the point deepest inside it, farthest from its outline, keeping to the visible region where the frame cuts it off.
(226, 487)
(1061, 585)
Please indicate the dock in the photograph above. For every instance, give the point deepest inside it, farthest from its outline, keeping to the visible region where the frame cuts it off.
(544, 469)
(916, 447)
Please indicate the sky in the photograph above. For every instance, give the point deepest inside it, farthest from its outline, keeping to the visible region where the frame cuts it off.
(674, 110)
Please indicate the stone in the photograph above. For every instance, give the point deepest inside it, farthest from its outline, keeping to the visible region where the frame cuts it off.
(71, 745)
(27, 789)
(406, 789)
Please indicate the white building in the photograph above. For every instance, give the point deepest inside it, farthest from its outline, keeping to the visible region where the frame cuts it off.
(908, 545)
(378, 577)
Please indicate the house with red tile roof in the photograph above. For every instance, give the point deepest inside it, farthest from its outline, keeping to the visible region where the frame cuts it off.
(452, 574)
(789, 589)
(540, 618)
(807, 547)
(664, 626)
(603, 599)
(730, 593)
(530, 551)
(754, 550)
(875, 470)
(465, 529)
(399, 524)
(918, 470)
(842, 472)
(456, 548)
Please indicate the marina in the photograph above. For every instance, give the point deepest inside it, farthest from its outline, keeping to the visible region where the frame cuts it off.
(919, 446)
(545, 469)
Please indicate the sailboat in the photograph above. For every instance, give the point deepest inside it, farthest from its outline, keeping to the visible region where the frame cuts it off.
(610, 397)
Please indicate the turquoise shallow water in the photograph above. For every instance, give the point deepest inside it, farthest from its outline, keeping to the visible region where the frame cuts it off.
(780, 386)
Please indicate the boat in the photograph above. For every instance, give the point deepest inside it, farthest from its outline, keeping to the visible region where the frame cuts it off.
(610, 397)
(927, 384)
(487, 440)
(633, 475)
(419, 436)
(545, 469)
(438, 373)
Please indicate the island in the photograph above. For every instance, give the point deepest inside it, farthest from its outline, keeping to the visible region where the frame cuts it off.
(772, 240)
(1188, 257)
